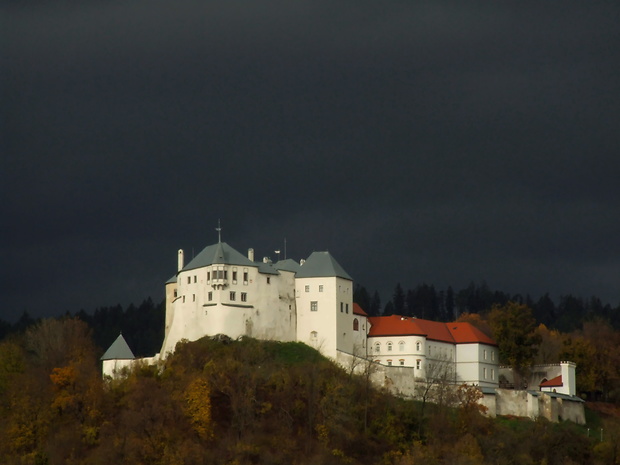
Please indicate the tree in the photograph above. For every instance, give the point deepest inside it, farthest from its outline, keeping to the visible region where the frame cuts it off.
(513, 328)
(375, 305)
(550, 345)
(398, 300)
(361, 297)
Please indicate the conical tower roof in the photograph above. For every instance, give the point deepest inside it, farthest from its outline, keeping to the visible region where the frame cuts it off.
(119, 350)
(321, 264)
(218, 254)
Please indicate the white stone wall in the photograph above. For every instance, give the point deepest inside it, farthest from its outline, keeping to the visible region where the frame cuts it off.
(206, 307)
(112, 368)
(317, 328)
(477, 364)
(409, 349)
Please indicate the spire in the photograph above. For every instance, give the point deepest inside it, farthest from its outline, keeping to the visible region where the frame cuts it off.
(219, 231)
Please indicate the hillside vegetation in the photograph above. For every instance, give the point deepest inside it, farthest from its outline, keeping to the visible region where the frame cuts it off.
(217, 401)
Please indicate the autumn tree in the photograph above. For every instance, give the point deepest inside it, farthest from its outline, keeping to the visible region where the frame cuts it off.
(513, 327)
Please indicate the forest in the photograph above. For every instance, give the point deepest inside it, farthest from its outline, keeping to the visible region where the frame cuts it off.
(218, 401)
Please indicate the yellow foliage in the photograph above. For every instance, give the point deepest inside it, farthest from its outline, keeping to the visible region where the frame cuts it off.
(198, 407)
(322, 432)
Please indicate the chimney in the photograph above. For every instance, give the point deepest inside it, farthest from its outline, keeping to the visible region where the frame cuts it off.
(251, 254)
(180, 263)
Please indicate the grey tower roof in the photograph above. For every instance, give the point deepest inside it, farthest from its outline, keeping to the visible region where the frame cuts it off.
(119, 350)
(287, 265)
(321, 264)
(218, 254)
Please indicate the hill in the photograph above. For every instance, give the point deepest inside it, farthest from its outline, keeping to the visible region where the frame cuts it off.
(247, 401)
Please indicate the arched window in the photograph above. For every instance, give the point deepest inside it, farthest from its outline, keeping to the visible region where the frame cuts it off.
(401, 346)
(314, 335)
(377, 347)
(417, 346)
(389, 346)
(356, 325)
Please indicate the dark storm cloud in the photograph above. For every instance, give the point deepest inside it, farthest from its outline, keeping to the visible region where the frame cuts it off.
(440, 142)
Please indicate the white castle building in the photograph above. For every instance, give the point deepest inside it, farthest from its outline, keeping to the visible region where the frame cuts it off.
(222, 291)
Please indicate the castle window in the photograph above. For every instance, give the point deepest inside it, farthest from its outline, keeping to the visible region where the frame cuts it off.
(208, 276)
(210, 296)
(320, 288)
(268, 279)
(401, 346)
(244, 297)
(417, 347)
(245, 276)
(314, 306)
(389, 346)
(232, 295)
(341, 307)
(195, 277)
(402, 362)
(175, 292)
(307, 288)
(485, 354)
(234, 277)
(377, 347)
(356, 325)
(189, 280)
(193, 297)
(346, 308)
(183, 299)
(418, 364)
(314, 335)
(389, 363)
(493, 374)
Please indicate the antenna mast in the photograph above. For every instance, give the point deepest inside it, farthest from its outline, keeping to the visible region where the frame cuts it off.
(219, 231)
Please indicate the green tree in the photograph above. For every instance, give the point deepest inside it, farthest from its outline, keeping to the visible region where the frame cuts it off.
(513, 327)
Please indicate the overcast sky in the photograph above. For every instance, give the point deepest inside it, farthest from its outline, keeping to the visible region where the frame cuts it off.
(438, 142)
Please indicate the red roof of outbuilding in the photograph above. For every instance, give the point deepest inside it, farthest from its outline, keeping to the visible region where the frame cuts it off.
(454, 333)
(357, 310)
(553, 382)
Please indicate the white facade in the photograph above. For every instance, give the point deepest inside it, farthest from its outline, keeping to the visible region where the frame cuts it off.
(477, 364)
(222, 291)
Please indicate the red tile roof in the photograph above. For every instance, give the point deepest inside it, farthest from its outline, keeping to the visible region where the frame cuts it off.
(454, 333)
(553, 382)
(357, 310)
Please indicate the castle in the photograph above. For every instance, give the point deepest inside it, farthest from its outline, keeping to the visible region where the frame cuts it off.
(222, 291)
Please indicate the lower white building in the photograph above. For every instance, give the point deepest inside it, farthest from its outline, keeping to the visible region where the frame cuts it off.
(435, 349)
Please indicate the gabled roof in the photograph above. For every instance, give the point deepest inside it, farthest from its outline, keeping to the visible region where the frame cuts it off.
(357, 310)
(119, 350)
(454, 333)
(287, 265)
(464, 333)
(218, 254)
(321, 264)
(553, 382)
(267, 268)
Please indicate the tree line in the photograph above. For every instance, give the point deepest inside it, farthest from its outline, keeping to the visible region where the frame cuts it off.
(142, 326)
(427, 302)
